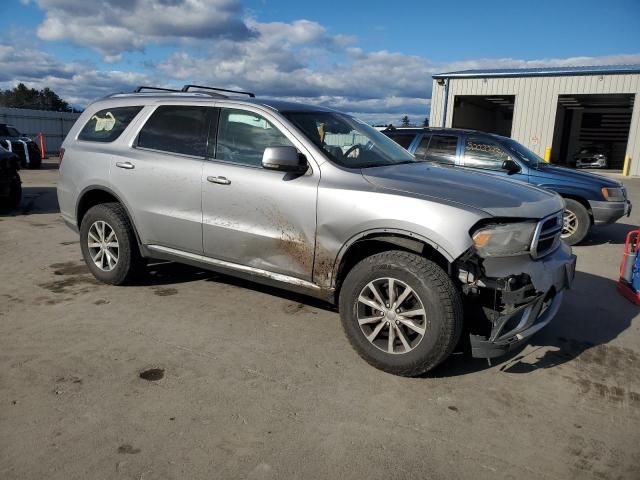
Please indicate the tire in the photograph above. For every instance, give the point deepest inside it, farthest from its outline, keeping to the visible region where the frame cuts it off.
(128, 261)
(35, 165)
(431, 289)
(15, 192)
(577, 222)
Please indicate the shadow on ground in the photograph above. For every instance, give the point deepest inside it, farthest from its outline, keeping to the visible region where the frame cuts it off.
(593, 314)
(614, 234)
(35, 200)
(160, 273)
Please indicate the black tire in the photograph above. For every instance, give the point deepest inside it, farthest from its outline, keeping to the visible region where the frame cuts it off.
(15, 192)
(437, 293)
(129, 261)
(577, 214)
(34, 164)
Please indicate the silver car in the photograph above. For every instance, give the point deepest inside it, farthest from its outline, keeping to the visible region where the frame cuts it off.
(316, 201)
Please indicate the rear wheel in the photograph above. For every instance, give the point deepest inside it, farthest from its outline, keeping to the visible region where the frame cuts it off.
(400, 312)
(15, 192)
(576, 222)
(109, 245)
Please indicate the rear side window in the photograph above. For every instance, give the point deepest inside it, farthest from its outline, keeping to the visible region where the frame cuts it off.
(442, 149)
(403, 140)
(177, 129)
(108, 124)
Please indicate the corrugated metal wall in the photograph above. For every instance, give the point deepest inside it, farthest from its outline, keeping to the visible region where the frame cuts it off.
(54, 125)
(536, 103)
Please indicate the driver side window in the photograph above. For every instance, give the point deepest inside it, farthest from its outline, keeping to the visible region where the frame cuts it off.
(243, 136)
(482, 153)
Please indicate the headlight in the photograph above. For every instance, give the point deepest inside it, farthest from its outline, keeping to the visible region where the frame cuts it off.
(613, 194)
(504, 240)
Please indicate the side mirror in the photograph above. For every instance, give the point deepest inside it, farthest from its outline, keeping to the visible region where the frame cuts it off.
(510, 166)
(284, 159)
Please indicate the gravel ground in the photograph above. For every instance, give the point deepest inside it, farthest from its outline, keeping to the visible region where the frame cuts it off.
(260, 383)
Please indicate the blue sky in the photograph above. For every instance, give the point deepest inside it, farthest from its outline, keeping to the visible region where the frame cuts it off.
(371, 58)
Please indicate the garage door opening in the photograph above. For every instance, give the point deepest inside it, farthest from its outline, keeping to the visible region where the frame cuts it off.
(592, 131)
(491, 114)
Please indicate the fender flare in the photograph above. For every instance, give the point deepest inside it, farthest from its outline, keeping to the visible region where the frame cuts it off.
(105, 189)
(384, 231)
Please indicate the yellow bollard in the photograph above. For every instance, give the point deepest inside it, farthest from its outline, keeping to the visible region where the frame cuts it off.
(547, 154)
(627, 166)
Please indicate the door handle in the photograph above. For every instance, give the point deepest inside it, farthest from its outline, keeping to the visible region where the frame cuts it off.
(219, 180)
(127, 165)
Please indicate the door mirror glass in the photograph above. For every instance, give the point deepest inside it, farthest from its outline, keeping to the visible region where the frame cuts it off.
(284, 159)
(510, 166)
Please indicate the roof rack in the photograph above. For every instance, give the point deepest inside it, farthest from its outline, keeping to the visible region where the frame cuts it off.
(157, 89)
(187, 87)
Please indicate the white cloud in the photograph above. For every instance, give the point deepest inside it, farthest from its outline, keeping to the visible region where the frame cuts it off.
(118, 26)
(214, 42)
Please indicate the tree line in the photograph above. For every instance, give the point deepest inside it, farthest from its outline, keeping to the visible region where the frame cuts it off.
(25, 97)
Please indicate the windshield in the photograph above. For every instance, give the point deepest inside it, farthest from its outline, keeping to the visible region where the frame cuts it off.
(349, 142)
(523, 153)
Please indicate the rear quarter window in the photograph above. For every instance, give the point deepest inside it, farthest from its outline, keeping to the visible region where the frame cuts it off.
(108, 124)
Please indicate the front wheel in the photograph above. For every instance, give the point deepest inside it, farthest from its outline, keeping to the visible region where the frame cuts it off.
(576, 222)
(401, 312)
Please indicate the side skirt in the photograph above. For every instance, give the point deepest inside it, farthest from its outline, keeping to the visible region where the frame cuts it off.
(242, 271)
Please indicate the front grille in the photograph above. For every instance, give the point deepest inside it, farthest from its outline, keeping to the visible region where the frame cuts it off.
(547, 235)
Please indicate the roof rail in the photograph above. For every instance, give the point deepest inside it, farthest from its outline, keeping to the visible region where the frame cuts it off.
(158, 89)
(187, 87)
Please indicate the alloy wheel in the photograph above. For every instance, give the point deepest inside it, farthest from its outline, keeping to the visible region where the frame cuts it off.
(103, 245)
(569, 224)
(391, 315)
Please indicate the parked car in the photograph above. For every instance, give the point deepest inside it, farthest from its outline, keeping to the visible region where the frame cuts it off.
(24, 147)
(591, 157)
(10, 184)
(590, 199)
(278, 193)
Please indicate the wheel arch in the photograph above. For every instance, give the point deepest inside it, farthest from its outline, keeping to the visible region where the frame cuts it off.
(98, 194)
(376, 241)
(581, 200)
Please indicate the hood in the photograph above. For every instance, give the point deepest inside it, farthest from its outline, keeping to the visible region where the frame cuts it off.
(496, 196)
(568, 174)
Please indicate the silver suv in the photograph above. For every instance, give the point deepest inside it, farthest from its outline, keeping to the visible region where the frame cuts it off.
(316, 201)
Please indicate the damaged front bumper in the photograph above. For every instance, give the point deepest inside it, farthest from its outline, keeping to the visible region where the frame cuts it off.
(516, 297)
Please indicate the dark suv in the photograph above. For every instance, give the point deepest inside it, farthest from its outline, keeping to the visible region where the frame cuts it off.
(24, 147)
(590, 199)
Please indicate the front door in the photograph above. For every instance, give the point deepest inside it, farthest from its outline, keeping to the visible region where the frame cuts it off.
(484, 154)
(252, 216)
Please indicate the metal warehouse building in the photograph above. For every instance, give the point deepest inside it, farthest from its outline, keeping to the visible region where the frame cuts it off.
(553, 111)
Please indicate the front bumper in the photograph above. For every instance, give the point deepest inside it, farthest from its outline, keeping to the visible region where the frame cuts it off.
(608, 212)
(521, 311)
(591, 164)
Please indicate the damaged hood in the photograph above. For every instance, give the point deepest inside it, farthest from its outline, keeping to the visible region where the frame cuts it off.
(496, 196)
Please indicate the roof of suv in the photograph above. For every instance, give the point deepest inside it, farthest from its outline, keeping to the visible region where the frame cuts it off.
(416, 130)
(279, 105)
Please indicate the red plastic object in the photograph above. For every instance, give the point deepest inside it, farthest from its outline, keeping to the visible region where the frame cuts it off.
(627, 292)
(630, 248)
(43, 152)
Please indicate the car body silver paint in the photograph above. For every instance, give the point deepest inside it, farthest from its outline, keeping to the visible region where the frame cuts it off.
(297, 227)
(498, 197)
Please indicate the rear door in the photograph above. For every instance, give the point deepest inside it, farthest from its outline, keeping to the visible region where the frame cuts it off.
(161, 177)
